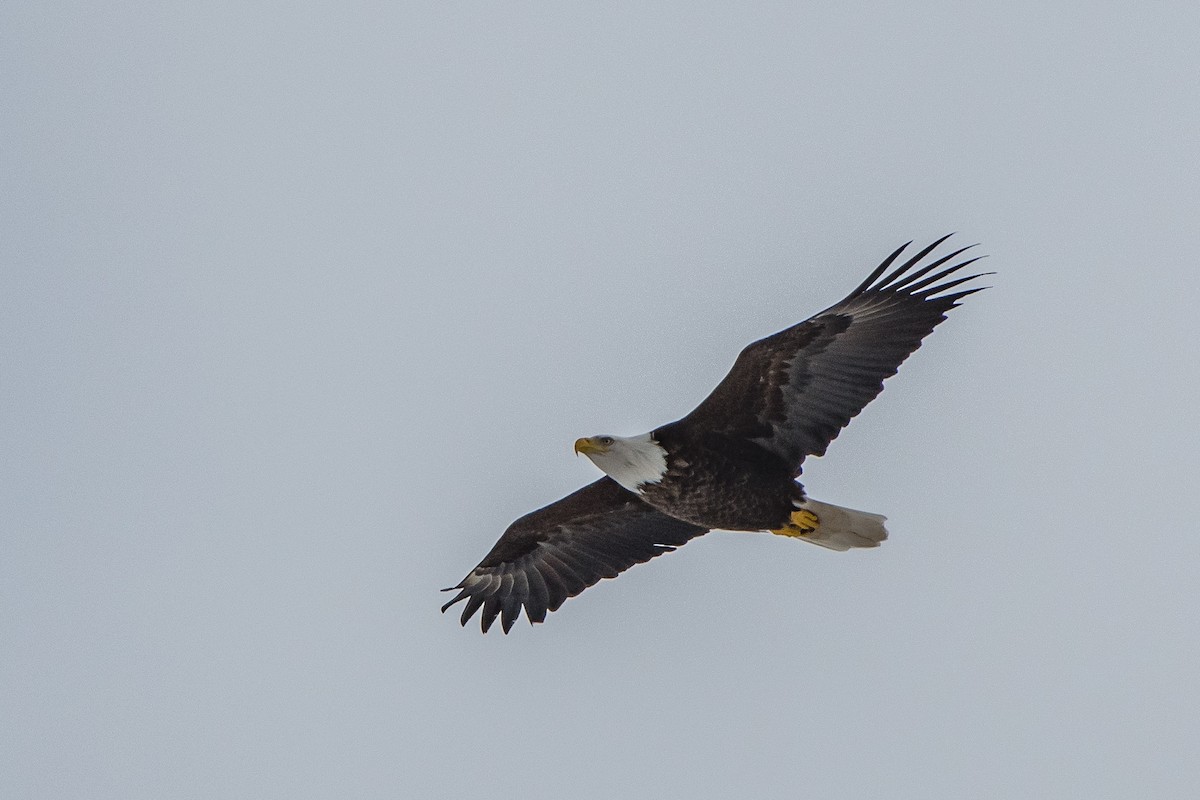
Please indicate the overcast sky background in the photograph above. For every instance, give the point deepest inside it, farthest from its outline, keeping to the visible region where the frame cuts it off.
(301, 306)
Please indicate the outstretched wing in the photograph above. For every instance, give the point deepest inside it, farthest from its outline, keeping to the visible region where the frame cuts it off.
(558, 551)
(793, 392)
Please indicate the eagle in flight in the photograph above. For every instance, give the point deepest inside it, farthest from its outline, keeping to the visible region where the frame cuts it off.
(732, 463)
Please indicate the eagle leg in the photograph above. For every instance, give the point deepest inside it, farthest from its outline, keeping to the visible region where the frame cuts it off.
(801, 524)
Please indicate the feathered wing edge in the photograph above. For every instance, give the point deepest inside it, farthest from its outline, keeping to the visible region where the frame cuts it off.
(863, 339)
(794, 391)
(901, 281)
(556, 552)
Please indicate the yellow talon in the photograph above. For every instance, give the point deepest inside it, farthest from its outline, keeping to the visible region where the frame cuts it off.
(800, 524)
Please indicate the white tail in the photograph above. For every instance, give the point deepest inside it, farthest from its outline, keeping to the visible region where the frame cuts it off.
(842, 528)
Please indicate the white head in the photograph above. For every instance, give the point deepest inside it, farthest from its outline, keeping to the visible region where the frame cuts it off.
(629, 460)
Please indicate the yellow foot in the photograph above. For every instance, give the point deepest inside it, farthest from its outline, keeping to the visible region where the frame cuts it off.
(801, 524)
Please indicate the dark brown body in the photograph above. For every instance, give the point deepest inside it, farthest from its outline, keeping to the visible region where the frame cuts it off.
(722, 482)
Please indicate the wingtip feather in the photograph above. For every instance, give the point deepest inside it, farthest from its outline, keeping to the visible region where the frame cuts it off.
(907, 265)
(883, 265)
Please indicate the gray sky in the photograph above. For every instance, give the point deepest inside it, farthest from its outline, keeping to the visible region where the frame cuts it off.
(300, 307)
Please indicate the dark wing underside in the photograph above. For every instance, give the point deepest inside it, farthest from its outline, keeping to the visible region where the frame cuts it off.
(558, 551)
(793, 392)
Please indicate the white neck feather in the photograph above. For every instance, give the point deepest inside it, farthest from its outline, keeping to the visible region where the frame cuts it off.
(633, 461)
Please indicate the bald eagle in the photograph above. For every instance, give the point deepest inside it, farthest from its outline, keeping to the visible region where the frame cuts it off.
(732, 463)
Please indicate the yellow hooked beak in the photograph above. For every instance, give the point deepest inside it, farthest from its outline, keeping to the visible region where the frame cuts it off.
(589, 445)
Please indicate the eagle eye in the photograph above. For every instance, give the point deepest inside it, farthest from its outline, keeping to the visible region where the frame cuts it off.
(606, 440)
